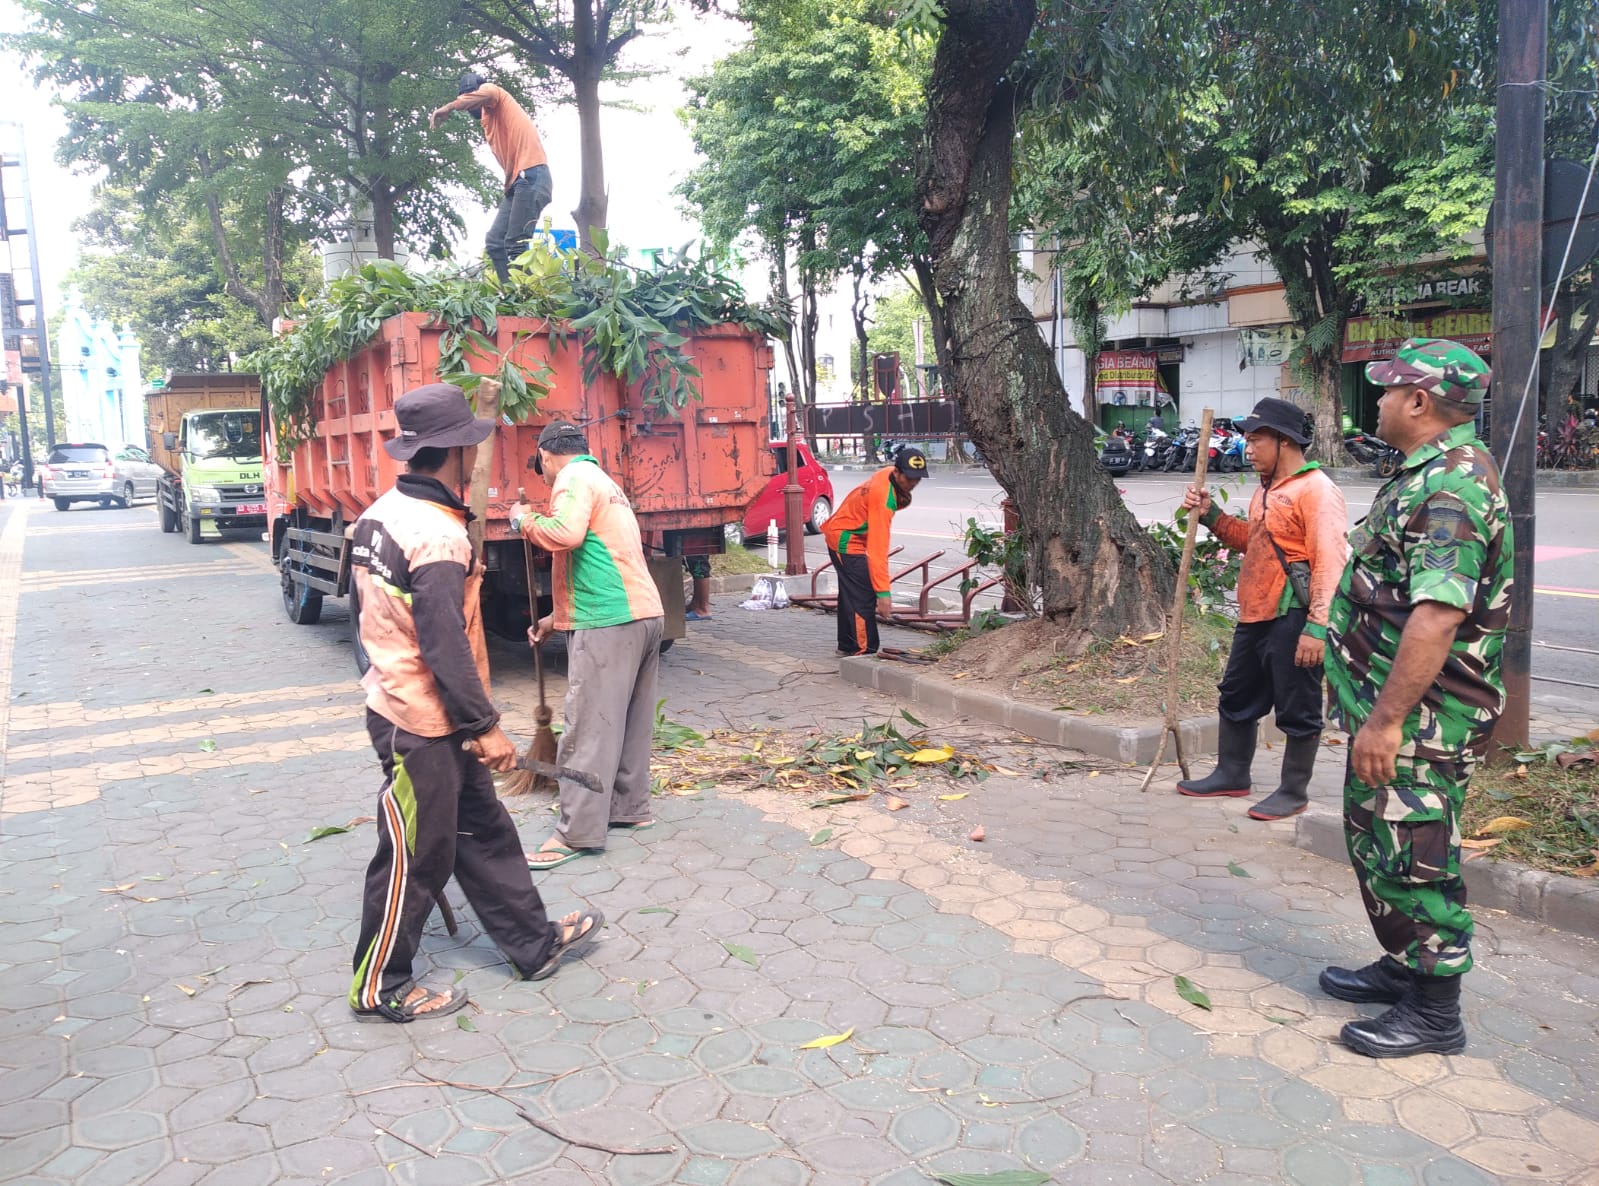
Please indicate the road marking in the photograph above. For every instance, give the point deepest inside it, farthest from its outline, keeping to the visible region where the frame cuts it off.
(1556, 591)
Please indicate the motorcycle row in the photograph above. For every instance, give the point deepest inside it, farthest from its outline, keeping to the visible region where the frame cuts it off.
(1126, 452)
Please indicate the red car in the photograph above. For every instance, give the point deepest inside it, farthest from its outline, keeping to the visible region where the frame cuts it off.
(817, 499)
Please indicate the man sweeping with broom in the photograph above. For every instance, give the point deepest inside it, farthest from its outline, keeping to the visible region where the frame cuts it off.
(607, 601)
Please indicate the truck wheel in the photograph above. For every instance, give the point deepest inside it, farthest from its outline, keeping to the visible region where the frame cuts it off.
(192, 525)
(362, 659)
(302, 603)
(63, 503)
(169, 517)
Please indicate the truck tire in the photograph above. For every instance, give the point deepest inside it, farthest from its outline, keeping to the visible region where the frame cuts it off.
(191, 524)
(362, 659)
(169, 517)
(302, 603)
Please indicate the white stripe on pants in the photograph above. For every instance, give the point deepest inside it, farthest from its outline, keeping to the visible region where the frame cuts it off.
(609, 724)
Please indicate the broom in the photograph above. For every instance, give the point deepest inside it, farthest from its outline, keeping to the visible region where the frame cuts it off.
(1174, 639)
(542, 747)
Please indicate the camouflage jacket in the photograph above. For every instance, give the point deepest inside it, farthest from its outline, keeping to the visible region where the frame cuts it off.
(1438, 530)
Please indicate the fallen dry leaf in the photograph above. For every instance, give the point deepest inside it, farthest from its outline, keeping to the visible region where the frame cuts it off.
(362, 819)
(117, 889)
(933, 754)
(1577, 758)
(895, 803)
(1481, 845)
(977, 833)
(830, 1040)
(954, 797)
(961, 675)
(1504, 823)
(1008, 773)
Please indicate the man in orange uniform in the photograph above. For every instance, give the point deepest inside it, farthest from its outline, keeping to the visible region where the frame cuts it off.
(1293, 541)
(857, 540)
(516, 145)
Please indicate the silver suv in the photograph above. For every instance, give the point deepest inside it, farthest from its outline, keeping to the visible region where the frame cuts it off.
(89, 472)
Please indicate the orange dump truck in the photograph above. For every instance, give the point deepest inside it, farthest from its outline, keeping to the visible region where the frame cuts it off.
(688, 475)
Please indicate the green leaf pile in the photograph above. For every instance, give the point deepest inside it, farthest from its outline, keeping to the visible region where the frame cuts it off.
(630, 322)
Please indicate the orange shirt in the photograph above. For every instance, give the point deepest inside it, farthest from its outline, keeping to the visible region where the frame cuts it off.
(1305, 514)
(860, 526)
(510, 132)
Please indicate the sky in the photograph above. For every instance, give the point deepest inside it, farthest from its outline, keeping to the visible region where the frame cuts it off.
(647, 149)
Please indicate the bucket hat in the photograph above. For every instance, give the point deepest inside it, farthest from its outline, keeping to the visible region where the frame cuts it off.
(1281, 417)
(436, 416)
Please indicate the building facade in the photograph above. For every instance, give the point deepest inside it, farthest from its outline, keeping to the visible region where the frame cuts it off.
(98, 369)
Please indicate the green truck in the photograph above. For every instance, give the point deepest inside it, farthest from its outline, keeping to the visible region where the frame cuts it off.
(205, 433)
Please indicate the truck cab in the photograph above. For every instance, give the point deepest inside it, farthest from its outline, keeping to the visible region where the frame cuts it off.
(206, 433)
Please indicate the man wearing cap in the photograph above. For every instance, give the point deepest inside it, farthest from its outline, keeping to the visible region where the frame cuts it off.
(607, 601)
(857, 540)
(1413, 672)
(515, 142)
(1293, 544)
(436, 732)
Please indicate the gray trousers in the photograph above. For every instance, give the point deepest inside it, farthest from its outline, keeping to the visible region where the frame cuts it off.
(609, 725)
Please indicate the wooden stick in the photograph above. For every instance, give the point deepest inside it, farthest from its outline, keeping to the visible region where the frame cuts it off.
(488, 408)
(1174, 631)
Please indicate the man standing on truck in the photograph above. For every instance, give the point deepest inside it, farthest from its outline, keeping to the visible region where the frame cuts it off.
(436, 732)
(607, 601)
(857, 540)
(515, 142)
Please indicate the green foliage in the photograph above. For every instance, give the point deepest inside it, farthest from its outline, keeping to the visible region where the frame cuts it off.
(1213, 572)
(627, 320)
(670, 735)
(150, 266)
(995, 548)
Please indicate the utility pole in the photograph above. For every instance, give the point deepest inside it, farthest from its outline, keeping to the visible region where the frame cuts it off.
(793, 499)
(1518, 287)
(14, 178)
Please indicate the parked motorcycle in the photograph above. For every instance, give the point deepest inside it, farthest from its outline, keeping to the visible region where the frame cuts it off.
(1157, 449)
(1364, 447)
(1184, 454)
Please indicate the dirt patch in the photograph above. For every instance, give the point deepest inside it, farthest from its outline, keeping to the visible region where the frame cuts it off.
(1121, 681)
(739, 561)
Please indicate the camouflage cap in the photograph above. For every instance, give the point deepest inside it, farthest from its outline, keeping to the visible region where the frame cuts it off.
(1447, 369)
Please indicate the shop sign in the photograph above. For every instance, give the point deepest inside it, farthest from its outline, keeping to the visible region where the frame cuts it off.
(1268, 347)
(1430, 290)
(1368, 338)
(1129, 377)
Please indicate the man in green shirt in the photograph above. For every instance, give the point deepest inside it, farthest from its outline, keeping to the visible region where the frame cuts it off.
(1413, 674)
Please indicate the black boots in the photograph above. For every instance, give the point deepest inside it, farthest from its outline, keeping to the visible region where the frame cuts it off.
(1427, 1021)
(1387, 982)
(1235, 750)
(1292, 796)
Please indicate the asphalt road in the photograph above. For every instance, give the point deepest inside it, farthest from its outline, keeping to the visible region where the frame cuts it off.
(1565, 613)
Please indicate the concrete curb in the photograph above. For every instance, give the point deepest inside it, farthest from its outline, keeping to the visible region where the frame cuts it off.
(1564, 902)
(1121, 743)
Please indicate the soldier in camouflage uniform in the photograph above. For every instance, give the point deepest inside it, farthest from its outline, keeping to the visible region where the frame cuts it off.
(1413, 673)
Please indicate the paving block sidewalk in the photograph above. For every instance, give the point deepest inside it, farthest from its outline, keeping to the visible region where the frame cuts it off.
(178, 948)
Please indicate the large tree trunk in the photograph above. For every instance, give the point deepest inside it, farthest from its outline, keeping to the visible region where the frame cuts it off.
(272, 253)
(859, 303)
(383, 229)
(593, 203)
(1099, 573)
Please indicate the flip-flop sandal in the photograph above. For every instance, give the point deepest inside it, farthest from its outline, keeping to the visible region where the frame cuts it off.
(399, 1009)
(582, 936)
(691, 616)
(562, 855)
(633, 825)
